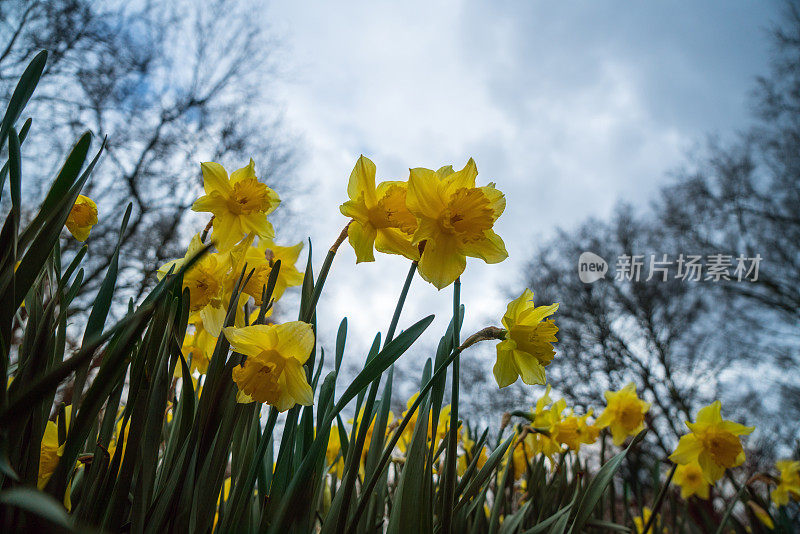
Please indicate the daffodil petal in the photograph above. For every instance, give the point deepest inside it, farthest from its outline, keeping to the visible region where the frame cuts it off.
(356, 209)
(362, 181)
(531, 371)
(244, 173)
(250, 340)
(505, 373)
(258, 224)
(394, 241)
(296, 383)
(227, 231)
(362, 239)
(295, 340)
(215, 178)
(463, 178)
(490, 249)
(423, 198)
(213, 319)
(441, 263)
(689, 447)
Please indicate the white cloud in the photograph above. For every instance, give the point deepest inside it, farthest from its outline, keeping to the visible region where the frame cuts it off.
(568, 109)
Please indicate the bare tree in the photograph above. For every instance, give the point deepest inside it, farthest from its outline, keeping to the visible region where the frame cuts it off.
(170, 84)
(744, 196)
(684, 343)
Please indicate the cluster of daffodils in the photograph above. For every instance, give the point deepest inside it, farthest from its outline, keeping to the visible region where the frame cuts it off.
(712, 446)
(467, 448)
(554, 429)
(272, 371)
(436, 218)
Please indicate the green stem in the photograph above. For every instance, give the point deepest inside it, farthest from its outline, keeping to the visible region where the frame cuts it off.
(387, 451)
(400, 303)
(729, 511)
(452, 445)
(659, 499)
(243, 488)
(323, 272)
(348, 483)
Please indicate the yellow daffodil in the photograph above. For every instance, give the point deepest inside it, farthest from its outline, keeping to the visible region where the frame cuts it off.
(441, 427)
(690, 478)
(240, 204)
(223, 497)
(789, 482)
(524, 452)
(640, 521)
(50, 454)
(624, 413)
(368, 438)
(546, 420)
(573, 431)
(454, 220)
(82, 217)
(273, 371)
(261, 259)
(198, 347)
(713, 443)
(468, 445)
(332, 454)
(380, 216)
(527, 348)
(204, 279)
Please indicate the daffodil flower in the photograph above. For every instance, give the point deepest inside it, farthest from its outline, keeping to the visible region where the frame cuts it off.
(789, 482)
(527, 347)
(454, 220)
(240, 204)
(273, 371)
(640, 521)
(333, 455)
(82, 217)
(691, 481)
(713, 443)
(624, 413)
(198, 347)
(573, 431)
(381, 219)
(441, 428)
(261, 259)
(50, 454)
(545, 416)
(206, 283)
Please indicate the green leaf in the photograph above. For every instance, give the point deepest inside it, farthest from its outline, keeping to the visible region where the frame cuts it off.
(102, 302)
(4, 171)
(486, 472)
(383, 360)
(22, 93)
(341, 337)
(562, 516)
(410, 497)
(37, 503)
(598, 485)
(47, 224)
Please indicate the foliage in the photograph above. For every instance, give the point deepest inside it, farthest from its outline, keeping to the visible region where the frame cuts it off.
(154, 442)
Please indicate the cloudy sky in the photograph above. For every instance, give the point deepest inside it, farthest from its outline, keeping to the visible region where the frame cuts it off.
(567, 106)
